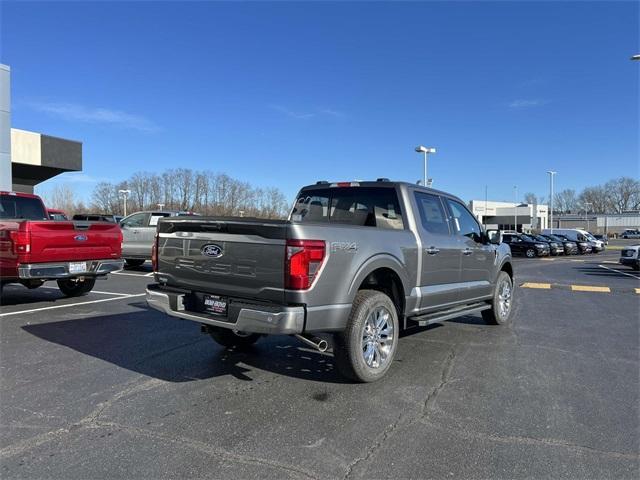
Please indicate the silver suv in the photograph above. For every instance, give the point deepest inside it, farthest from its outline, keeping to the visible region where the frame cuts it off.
(357, 260)
(138, 234)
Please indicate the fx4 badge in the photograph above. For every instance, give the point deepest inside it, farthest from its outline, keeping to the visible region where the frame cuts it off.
(348, 247)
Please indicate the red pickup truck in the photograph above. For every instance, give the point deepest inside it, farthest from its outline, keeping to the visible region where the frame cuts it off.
(34, 249)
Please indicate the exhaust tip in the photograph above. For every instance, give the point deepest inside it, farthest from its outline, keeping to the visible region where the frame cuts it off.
(323, 345)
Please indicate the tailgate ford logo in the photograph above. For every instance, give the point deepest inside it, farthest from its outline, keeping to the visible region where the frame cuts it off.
(211, 250)
(80, 238)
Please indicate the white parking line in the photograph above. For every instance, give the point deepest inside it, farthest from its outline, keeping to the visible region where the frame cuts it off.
(70, 305)
(120, 272)
(620, 271)
(93, 291)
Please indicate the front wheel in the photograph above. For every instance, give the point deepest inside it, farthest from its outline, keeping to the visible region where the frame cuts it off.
(364, 351)
(233, 339)
(530, 253)
(502, 302)
(73, 287)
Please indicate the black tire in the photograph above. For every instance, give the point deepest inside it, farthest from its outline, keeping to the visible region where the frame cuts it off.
(134, 262)
(530, 253)
(636, 266)
(348, 350)
(76, 288)
(230, 339)
(495, 315)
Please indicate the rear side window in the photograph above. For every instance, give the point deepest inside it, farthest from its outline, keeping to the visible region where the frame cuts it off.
(134, 221)
(153, 221)
(432, 213)
(358, 206)
(22, 207)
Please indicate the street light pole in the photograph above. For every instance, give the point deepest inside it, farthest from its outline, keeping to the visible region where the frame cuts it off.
(124, 194)
(515, 215)
(551, 175)
(425, 151)
(586, 213)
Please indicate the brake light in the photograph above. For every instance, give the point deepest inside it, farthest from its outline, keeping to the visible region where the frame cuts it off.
(154, 255)
(21, 242)
(304, 259)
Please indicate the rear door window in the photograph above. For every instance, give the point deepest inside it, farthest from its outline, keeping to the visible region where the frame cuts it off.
(135, 221)
(432, 213)
(357, 206)
(153, 221)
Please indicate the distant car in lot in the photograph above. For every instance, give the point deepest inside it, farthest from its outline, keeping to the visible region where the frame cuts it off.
(139, 232)
(55, 214)
(630, 256)
(603, 238)
(556, 247)
(630, 233)
(522, 244)
(579, 236)
(570, 248)
(96, 217)
(583, 246)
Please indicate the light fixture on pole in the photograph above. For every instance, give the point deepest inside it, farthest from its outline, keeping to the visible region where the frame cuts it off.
(160, 206)
(425, 151)
(635, 57)
(124, 194)
(515, 209)
(551, 175)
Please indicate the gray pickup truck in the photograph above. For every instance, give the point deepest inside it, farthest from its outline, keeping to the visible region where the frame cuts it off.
(358, 260)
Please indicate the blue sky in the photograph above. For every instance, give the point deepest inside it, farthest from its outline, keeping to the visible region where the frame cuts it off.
(283, 94)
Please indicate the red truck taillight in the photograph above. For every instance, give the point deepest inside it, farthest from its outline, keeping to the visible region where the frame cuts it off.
(21, 242)
(304, 259)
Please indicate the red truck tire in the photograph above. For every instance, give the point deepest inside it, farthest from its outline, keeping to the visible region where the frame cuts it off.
(76, 288)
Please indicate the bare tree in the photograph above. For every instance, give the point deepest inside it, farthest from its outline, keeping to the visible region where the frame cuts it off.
(597, 197)
(623, 194)
(565, 201)
(63, 198)
(530, 198)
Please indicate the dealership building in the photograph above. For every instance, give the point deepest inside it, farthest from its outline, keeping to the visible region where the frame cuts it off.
(522, 217)
(29, 158)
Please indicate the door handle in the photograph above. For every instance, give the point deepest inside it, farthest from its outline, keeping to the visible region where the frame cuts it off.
(432, 250)
(467, 251)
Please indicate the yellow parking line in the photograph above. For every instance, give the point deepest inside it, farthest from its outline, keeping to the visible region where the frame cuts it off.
(590, 288)
(545, 286)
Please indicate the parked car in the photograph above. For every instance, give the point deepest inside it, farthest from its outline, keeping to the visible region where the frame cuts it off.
(630, 256)
(578, 235)
(358, 260)
(584, 247)
(522, 244)
(34, 249)
(630, 233)
(55, 214)
(139, 231)
(570, 248)
(603, 238)
(96, 217)
(555, 247)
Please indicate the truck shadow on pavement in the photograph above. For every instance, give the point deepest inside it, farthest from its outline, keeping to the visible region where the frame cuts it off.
(176, 351)
(19, 295)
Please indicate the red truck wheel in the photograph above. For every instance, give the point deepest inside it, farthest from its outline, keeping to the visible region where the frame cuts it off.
(76, 288)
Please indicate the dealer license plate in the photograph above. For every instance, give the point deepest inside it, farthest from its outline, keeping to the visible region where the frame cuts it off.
(77, 267)
(215, 304)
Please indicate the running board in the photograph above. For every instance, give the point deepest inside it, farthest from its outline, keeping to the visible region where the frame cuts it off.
(437, 317)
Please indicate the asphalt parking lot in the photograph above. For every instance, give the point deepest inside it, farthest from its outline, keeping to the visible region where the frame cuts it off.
(102, 387)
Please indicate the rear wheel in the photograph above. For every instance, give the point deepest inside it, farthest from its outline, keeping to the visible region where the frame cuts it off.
(364, 351)
(233, 339)
(73, 287)
(502, 303)
(530, 253)
(134, 262)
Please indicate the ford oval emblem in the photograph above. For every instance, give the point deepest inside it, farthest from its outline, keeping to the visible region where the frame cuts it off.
(211, 250)
(80, 238)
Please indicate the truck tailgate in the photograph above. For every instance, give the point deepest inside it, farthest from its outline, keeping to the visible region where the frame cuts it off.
(69, 241)
(239, 257)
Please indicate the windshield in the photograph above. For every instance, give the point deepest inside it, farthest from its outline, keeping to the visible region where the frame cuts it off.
(28, 208)
(541, 238)
(527, 238)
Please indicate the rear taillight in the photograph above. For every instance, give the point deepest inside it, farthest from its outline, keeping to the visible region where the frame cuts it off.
(154, 255)
(21, 242)
(304, 259)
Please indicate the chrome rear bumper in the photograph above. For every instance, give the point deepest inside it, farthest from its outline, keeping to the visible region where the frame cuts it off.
(47, 271)
(286, 320)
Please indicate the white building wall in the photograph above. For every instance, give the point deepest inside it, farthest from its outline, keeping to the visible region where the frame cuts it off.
(5, 128)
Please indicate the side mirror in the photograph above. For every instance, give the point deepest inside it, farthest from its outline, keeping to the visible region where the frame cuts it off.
(494, 237)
